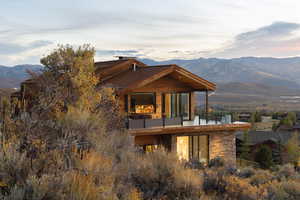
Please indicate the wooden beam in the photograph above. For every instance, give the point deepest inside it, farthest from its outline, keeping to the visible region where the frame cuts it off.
(206, 106)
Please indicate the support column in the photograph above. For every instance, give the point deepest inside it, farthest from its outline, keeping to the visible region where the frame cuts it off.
(206, 106)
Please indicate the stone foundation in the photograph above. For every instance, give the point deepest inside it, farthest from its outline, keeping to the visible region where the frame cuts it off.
(222, 145)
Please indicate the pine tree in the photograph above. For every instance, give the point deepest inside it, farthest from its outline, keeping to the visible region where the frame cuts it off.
(245, 149)
(292, 148)
(263, 156)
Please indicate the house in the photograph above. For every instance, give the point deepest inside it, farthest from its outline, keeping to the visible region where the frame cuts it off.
(244, 116)
(276, 141)
(159, 104)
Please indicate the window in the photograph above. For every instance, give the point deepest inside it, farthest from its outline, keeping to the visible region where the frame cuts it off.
(198, 148)
(150, 148)
(143, 103)
(177, 105)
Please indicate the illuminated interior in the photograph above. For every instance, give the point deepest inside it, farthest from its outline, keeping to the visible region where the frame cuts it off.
(142, 103)
(144, 109)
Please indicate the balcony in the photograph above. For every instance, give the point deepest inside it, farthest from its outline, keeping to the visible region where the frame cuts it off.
(199, 120)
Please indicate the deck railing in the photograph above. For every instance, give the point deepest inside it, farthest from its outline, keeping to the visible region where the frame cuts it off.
(210, 119)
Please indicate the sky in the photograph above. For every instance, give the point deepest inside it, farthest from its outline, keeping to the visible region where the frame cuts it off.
(155, 29)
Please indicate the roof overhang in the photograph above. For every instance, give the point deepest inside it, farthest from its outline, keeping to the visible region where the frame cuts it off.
(178, 73)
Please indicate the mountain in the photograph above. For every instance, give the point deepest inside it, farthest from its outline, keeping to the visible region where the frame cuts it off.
(279, 72)
(247, 80)
(11, 77)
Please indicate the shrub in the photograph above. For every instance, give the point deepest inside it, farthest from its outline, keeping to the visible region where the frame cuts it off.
(261, 177)
(286, 171)
(263, 156)
(246, 172)
(194, 164)
(160, 175)
(216, 162)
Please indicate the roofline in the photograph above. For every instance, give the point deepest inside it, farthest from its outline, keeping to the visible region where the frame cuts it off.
(169, 69)
(211, 85)
(190, 130)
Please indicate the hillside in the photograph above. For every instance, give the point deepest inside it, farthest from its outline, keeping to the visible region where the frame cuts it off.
(248, 80)
(266, 71)
(10, 77)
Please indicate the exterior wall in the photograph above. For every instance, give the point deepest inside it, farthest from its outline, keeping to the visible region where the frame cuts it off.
(193, 104)
(222, 145)
(158, 113)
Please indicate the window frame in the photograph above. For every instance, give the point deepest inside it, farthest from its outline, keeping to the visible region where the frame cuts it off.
(132, 108)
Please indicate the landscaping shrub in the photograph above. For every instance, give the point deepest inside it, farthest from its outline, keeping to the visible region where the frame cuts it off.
(263, 156)
(216, 162)
(160, 175)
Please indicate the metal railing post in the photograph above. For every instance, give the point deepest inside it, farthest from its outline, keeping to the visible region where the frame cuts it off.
(181, 120)
(127, 122)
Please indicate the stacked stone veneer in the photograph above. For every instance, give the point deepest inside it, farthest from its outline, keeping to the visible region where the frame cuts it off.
(222, 144)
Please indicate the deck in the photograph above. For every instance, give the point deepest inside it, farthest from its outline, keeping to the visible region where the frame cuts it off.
(190, 130)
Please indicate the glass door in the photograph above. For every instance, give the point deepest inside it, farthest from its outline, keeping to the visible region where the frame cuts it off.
(177, 105)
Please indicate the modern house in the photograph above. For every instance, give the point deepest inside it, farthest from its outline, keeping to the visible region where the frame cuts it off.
(159, 104)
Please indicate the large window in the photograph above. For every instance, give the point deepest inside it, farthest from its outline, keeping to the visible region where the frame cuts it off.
(193, 148)
(177, 105)
(198, 148)
(142, 103)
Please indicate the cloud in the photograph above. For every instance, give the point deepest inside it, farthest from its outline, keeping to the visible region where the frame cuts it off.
(116, 52)
(278, 39)
(8, 48)
(104, 54)
(275, 30)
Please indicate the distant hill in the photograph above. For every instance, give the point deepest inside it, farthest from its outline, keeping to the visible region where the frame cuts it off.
(283, 72)
(10, 77)
(249, 82)
(239, 80)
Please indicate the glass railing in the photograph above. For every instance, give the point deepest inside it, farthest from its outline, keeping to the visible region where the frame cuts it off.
(201, 119)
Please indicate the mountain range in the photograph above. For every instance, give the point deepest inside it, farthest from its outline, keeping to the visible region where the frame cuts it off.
(260, 77)
(11, 77)
(248, 81)
(282, 72)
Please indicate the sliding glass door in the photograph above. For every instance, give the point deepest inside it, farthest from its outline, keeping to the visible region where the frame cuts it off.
(177, 105)
(198, 148)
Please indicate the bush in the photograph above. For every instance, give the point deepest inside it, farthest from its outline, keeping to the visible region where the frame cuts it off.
(216, 162)
(261, 177)
(263, 157)
(246, 172)
(194, 164)
(286, 171)
(160, 175)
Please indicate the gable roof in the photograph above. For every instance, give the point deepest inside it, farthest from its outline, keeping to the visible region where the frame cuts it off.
(130, 79)
(107, 69)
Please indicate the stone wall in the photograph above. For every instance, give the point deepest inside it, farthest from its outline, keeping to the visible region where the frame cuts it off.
(222, 144)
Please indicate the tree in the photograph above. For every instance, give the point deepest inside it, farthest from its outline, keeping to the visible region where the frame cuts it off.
(245, 149)
(292, 148)
(263, 156)
(289, 120)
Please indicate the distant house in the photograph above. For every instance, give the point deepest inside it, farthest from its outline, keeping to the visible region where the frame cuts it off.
(159, 104)
(276, 141)
(244, 116)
